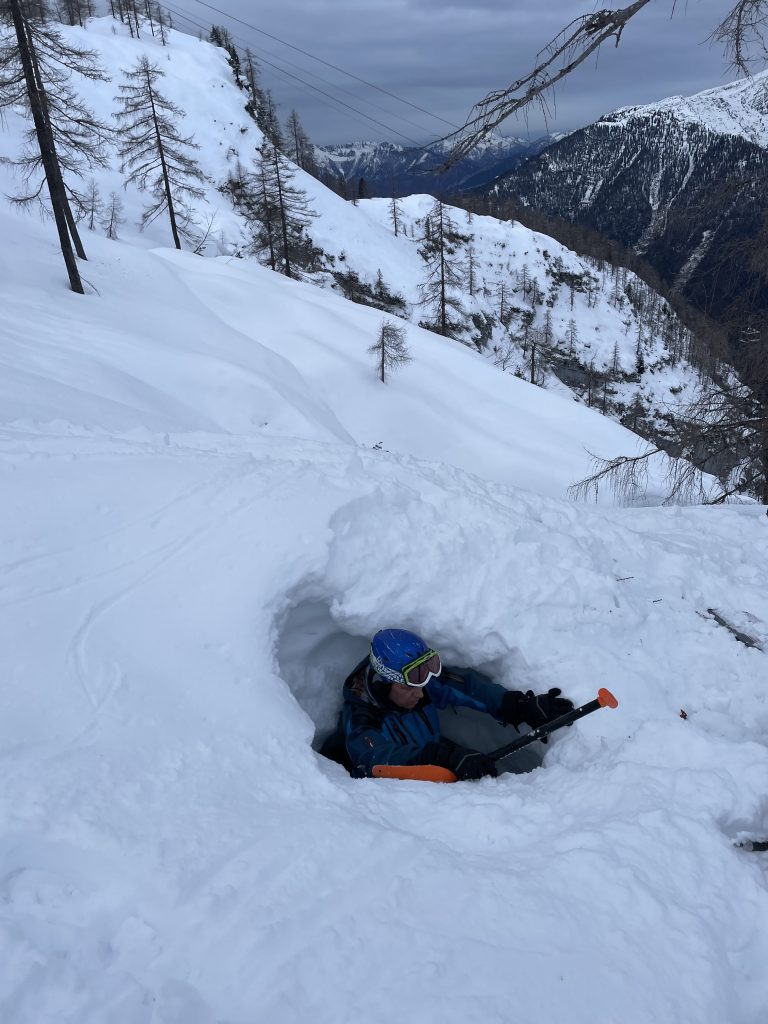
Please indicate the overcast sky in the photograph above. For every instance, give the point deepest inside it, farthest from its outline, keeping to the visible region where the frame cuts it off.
(443, 56)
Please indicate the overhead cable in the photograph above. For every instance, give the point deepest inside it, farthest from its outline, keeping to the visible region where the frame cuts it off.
(309, 85)
(328, 64)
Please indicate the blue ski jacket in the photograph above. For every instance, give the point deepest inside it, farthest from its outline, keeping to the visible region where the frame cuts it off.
(376, 731)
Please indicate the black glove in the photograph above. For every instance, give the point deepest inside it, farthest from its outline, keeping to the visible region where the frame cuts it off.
(533, 709)
(463, 762)
(471, 764)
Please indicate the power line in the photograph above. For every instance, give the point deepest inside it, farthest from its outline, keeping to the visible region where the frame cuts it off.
(309, 85)
(342, 102)
(335, 85)
(335, 67)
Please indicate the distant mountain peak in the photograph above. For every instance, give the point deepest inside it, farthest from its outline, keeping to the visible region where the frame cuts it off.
(414, 168)
(681, 181)
(737, 108)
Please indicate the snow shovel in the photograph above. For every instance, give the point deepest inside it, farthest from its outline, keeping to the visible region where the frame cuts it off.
(433, 773)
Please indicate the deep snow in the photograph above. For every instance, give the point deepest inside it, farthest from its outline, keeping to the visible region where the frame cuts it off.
(197, 537)
(604, 309)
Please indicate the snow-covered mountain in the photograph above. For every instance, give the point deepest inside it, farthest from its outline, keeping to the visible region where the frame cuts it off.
(386, 167)
(683, 181)
(210, 502)
(739, 108)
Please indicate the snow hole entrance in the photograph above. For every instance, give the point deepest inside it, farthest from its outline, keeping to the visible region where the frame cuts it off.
(315, 656)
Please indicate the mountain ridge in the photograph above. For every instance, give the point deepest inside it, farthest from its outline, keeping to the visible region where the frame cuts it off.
(388, 166)
(684, 182)
(735, 108)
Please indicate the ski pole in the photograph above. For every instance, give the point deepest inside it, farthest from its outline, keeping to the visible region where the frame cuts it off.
(604, 699)
(434, 773)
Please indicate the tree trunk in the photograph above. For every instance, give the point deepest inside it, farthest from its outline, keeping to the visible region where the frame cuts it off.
(161, 153)
(47, 147)
(73, 229)
(73, 232)
(283, 218)
(443, 317)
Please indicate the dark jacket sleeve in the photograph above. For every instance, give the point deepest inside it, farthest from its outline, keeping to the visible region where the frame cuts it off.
(467, 688)
(369, 743)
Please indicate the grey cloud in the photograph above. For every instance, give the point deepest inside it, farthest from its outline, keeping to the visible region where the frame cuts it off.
(445, 57)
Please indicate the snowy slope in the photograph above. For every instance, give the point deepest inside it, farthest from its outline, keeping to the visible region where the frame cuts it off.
(360, 238)
(605, 319)
(739, 108)
(181, 599)
(223, 345)
(197, 537)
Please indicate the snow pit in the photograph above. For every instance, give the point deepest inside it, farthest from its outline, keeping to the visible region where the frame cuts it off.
(315, 655)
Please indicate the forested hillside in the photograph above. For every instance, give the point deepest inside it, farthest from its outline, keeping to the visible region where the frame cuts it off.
(683, 182)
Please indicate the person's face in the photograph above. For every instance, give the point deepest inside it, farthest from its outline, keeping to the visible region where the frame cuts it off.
(404, 696)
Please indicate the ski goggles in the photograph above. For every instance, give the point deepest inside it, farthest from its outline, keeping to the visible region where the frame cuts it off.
(419, 671)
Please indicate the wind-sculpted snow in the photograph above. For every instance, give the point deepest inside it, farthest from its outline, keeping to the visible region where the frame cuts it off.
(172, 846)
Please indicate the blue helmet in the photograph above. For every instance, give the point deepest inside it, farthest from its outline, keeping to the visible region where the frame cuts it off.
(393, 649)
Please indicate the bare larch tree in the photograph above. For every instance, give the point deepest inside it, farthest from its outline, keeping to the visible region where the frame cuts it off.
(390, 348)
(279, 214)
(152, 149)
(440, 250)
(65, 137)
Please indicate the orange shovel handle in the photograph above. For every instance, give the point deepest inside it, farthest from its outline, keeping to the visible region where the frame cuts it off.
(419, 772)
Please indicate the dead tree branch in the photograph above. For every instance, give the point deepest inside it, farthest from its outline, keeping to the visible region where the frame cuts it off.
(744, 26)
(572, 46)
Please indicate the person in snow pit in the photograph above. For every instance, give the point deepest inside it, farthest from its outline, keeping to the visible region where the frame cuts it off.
(391, 704)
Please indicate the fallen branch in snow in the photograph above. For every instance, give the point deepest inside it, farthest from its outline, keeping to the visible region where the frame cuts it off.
(753, 845)
(742, 637)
